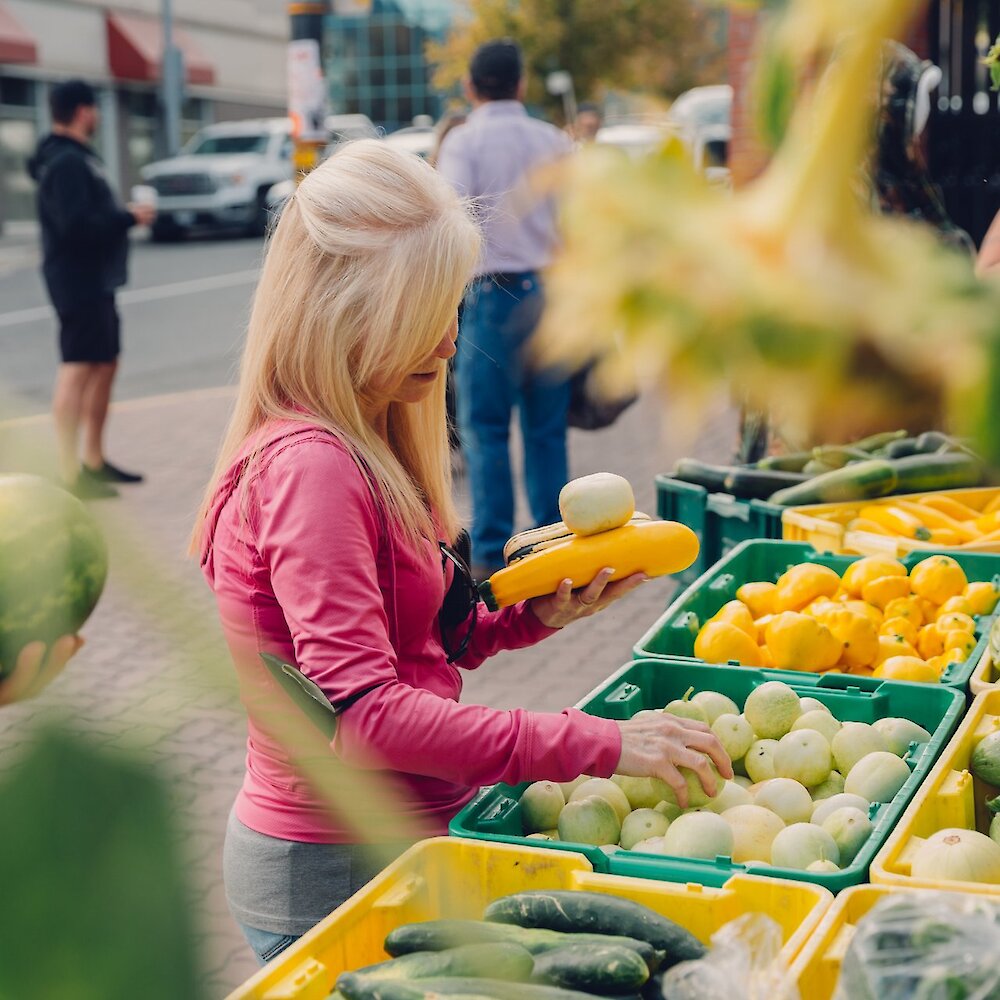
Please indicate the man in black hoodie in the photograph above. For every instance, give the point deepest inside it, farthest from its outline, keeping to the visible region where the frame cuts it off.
(85, 243)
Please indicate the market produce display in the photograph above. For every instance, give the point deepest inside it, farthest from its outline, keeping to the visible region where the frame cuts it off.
(54, 562)
(802, 798)
(548, 945)
(876, 466)
(876, 620)
(599, 528)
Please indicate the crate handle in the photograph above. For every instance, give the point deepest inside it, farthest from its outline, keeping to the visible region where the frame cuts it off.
(400, 894)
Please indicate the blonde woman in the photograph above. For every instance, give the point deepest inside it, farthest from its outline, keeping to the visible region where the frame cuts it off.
(320, 535)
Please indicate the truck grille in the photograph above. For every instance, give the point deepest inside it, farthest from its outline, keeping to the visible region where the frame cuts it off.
(169, 184)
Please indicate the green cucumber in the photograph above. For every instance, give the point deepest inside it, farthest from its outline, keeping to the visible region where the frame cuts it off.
(606, 968)
(711, 477)
(901, 448)
(500, 960)
(876, 441)
(931, 441)
(595, 913)
(759, 484)
(794, 461)
(817, 467)
(837, 456)
(496, 989)
(859, 481)
(439, 935)
(927, 473)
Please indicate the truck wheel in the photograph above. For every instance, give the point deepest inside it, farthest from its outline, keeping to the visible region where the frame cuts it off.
(166, 231)
(261, 218)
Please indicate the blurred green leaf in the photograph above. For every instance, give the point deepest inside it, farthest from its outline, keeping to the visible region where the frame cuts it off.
(94, 905)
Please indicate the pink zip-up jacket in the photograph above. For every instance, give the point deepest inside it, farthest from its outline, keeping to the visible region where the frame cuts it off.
(311, 571)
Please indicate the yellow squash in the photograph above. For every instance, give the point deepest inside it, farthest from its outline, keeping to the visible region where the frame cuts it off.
(651, 547)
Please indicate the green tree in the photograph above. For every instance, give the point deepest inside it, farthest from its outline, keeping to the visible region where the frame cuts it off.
(657, 46)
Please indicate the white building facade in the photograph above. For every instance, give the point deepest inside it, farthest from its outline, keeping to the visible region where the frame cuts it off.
(234, 60)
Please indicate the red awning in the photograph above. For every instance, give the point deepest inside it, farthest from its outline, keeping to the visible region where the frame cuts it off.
(16, 45)
(135, 50)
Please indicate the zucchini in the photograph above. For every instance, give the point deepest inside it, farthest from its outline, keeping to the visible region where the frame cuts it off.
(352, 986)
(712, 477)
(901, 448)
(439, 935)
(497, 989)
(858, 481)
(499, 960)
(595, 913)
(881, 440)
(816, 467)
(605, 968)
(759, 484)
(794, 461)
(928, 473)
(933, 441)
(839, 455)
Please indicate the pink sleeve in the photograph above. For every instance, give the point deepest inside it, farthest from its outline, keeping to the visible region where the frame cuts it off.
(318, 533)
(509, 628)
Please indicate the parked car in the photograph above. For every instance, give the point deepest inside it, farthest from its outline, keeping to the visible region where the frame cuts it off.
(221, 178)
(702, 118)
(633, 138)
(343, 128)
(417, 139)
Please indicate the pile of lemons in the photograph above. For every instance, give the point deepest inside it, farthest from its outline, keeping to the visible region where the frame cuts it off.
(877, 620)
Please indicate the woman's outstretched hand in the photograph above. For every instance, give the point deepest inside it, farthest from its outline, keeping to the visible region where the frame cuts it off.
(567, 605)
(656, 744)
(37, 667)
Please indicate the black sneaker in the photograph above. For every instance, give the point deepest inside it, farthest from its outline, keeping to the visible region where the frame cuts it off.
(89, 487)
(109, 473)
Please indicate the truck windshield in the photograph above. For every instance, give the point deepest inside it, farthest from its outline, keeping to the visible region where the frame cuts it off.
(215, 144)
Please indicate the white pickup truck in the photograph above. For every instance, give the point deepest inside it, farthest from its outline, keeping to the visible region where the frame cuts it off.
(221, 178)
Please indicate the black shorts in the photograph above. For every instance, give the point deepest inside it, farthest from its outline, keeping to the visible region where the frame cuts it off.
(89, 332)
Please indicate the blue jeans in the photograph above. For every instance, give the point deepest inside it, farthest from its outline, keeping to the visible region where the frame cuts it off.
(267, 944)
(492, 376)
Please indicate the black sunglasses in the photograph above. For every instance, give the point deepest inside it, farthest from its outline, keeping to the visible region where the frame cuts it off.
(461, 600)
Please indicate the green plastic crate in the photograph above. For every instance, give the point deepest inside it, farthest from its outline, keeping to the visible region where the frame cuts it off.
(495, 814)
(736, 521)
(686, 503)
(674, 633)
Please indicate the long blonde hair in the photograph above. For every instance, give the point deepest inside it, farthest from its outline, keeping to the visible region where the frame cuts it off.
(363, 275)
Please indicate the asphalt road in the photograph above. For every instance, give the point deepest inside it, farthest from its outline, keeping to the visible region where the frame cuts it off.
(183, 315)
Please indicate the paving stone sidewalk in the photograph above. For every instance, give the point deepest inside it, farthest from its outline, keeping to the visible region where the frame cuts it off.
(136, 682)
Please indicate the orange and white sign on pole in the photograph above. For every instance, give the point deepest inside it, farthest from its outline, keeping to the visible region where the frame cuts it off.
(306, 82)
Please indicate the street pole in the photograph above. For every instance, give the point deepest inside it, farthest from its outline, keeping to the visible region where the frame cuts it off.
(172, 79)
(307, 82)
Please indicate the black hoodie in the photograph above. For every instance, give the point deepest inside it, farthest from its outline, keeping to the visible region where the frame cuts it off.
(84, 224)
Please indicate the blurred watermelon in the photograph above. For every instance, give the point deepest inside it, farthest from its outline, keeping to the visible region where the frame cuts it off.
(53, 564)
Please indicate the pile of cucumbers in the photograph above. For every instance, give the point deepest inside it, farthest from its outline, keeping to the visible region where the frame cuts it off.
(876, 466)
(539, 945)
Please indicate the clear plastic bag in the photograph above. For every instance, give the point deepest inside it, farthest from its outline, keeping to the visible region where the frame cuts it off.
(744, 963)
(924, 946)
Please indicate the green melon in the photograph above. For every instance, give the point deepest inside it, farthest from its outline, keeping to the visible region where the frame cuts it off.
(53, 564)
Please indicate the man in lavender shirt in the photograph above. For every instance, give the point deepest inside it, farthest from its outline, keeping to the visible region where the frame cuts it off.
(490, 159)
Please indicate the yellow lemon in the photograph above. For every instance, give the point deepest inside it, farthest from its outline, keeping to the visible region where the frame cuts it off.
(738, 614)
(957, 603)
(930, 641)
(758, 597)
(720, 642)
(939, 664)
(893, 645)
(982, 597)
(870, 568)
(798, 642)
(906, 668)
(906, 607)
(802, 584)
(955, 620)
(864, 608)
(857, 635)
(958, 639)
(900, 626)
(883, 589)
(937, 578)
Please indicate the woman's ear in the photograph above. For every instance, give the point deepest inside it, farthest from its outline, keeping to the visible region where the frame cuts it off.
(928, 81)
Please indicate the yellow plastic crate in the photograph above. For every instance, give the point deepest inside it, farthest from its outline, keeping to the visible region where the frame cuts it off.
(985, 677)
(824, 526)
(949, 797)
(816, 969)
(450, 878)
